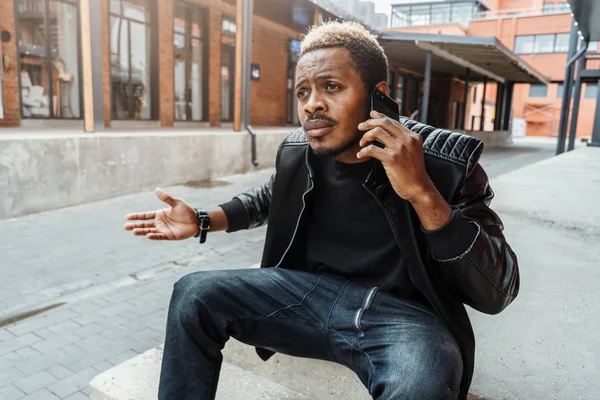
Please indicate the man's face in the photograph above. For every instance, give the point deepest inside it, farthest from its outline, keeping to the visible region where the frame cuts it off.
(332, 101)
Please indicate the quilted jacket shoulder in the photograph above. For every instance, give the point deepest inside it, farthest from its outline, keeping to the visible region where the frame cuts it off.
(452, 146)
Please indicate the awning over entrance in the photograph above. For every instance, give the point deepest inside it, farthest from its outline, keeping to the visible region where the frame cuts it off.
(587, 15)
(453, 55)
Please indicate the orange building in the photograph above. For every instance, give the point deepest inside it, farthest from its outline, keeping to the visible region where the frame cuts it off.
(536, 30)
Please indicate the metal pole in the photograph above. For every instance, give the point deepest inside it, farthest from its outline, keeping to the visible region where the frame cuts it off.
(427, 85)
(508, 105)
(498, 108)
(248, 10)
(503, 107)
(576, 101)
(482, 119)
(568, 82)
(463, 113)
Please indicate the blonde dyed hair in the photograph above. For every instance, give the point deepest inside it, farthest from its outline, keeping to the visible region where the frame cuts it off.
(369, 57)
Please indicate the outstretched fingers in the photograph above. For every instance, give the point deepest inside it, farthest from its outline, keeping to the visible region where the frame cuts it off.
(144, 231)
(141, 215)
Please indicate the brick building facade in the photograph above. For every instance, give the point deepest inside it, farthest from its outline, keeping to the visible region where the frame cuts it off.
(167, 62)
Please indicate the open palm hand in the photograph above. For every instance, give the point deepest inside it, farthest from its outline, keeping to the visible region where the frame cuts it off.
(176, 222)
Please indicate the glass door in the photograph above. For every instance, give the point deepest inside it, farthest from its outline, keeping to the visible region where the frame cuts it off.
(130, 59)
(49, 61)
(228, 33)
(190, 84)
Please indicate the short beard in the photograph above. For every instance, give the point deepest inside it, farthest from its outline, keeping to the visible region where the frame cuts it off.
(334, 152)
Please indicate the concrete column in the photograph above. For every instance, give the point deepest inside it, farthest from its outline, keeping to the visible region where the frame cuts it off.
(510, 86)
(166, 67)
(214, 86)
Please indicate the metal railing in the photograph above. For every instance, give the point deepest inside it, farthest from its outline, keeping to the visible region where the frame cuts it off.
(564, 8)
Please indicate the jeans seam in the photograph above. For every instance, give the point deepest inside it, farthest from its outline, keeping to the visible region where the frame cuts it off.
(301, 301)
(326, 327)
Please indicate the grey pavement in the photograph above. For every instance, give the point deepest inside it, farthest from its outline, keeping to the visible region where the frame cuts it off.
(110, 289)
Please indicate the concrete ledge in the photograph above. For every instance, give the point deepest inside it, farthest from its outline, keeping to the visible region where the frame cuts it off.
(282, 377)
(491, 139)
(44, 172)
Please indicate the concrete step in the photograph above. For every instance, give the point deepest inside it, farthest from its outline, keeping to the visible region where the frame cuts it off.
(137, 379)
(244, 376)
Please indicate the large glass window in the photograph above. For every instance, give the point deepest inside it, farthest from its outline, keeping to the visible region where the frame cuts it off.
(228, 32)
(48, 40)
(544, 44)
(540, 44)
(130, 50)
(538, 90)
(560, 90)
(189, 50)
(420, 15)
(292, 100)
(524, 44)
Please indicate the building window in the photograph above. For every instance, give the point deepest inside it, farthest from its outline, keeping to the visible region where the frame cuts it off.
(130, 59)
(592, 47)
(538, 90)
(48, 43)
(542, 44)
(228, 31)
(417, 15)
(591, 91)
(189, 59)
(561, 45)
(292, 100)
(524, 44)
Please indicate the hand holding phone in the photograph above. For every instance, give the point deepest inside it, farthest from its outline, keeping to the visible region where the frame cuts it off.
(384, 104)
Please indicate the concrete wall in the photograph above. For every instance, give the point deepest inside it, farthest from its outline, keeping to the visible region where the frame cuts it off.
(44, 172)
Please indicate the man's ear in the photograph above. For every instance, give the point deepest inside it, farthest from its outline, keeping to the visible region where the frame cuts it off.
(383, 86)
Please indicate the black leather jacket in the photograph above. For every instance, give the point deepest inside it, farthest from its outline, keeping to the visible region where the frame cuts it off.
(484, 276)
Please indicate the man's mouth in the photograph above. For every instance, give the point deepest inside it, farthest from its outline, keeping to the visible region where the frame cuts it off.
(317, 128)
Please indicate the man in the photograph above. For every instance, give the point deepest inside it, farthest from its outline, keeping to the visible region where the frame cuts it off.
(371, 251)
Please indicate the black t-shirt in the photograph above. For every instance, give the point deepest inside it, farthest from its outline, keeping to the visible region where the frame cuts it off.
(348, 233)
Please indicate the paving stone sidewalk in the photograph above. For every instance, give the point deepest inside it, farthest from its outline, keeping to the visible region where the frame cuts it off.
(116, 287)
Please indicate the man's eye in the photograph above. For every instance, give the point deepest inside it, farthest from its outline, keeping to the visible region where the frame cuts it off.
(332, 86)
(300, 94)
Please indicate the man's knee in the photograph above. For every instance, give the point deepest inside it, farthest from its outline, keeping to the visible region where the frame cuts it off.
(432, 371)
(196, 289)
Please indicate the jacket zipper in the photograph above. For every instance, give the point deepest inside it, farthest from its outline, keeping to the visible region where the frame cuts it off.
(310, 187)
(394, 233)
(361, 310)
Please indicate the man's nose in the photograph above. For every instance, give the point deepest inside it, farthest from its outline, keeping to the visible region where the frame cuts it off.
(315, 104)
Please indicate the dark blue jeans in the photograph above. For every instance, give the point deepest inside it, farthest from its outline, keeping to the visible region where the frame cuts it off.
(398, 348)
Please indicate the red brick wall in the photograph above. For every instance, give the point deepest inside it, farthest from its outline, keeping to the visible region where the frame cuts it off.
(10, 80)
(214, 67)
(270, 52)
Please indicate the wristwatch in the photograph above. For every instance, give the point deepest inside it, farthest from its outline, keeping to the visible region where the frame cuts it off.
(203, 221)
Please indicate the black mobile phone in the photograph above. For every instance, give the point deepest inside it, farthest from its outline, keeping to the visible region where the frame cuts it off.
(386, 105)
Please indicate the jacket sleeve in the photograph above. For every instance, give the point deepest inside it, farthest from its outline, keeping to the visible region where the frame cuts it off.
(471, 253)
(250, 209)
